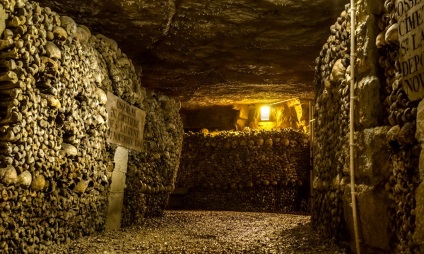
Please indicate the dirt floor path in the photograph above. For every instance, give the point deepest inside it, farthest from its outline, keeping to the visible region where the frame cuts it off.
(209, 232)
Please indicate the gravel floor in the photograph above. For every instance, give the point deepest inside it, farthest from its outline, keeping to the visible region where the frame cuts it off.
(209, 232)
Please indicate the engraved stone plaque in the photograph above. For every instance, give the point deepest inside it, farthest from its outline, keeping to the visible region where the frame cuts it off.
(410, 15)
(126, 123)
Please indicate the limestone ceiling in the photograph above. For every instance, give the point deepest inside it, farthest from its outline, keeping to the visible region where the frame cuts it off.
(215, 52)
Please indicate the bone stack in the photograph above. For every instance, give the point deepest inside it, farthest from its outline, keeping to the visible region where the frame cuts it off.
(55, 164)
(237, 162)
(52, 132)
(332, 144)
(332, 126)
(152, 172)
(401, 116)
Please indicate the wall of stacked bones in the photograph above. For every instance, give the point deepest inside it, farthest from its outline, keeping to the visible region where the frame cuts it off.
(387, 173)
(245, 171)
(55, 164)
(152, 173)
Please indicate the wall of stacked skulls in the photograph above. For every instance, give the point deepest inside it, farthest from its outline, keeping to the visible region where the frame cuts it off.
(248, 171)
(152, 173)
(55, 164)
(387, 156)
(331, 128)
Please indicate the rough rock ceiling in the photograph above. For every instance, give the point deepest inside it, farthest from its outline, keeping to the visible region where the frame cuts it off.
(215, 52)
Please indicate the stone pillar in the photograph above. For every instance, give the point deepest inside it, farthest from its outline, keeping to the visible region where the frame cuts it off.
(116, 196)
(372, 168)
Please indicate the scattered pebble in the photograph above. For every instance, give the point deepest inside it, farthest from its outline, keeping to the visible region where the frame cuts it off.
(209, 232)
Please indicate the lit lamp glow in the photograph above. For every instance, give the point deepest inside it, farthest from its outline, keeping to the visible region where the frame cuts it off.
(265, 112)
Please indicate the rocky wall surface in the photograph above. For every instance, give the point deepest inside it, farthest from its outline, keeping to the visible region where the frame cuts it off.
(249, 171)
(55, 164)
(385, 121)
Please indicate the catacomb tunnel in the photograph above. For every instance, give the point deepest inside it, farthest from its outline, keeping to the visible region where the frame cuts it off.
(182, 126)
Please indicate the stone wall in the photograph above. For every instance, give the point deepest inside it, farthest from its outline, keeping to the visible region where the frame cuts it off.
(55, 164)
(386, 149)
(248, 171)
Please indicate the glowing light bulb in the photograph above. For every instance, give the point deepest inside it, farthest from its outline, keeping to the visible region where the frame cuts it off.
(265, 112)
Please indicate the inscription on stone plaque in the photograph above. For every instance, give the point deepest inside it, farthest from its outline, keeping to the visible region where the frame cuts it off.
(410, 15)
(126, 123)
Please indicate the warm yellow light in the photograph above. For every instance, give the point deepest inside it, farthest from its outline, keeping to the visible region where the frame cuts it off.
(265, 112)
